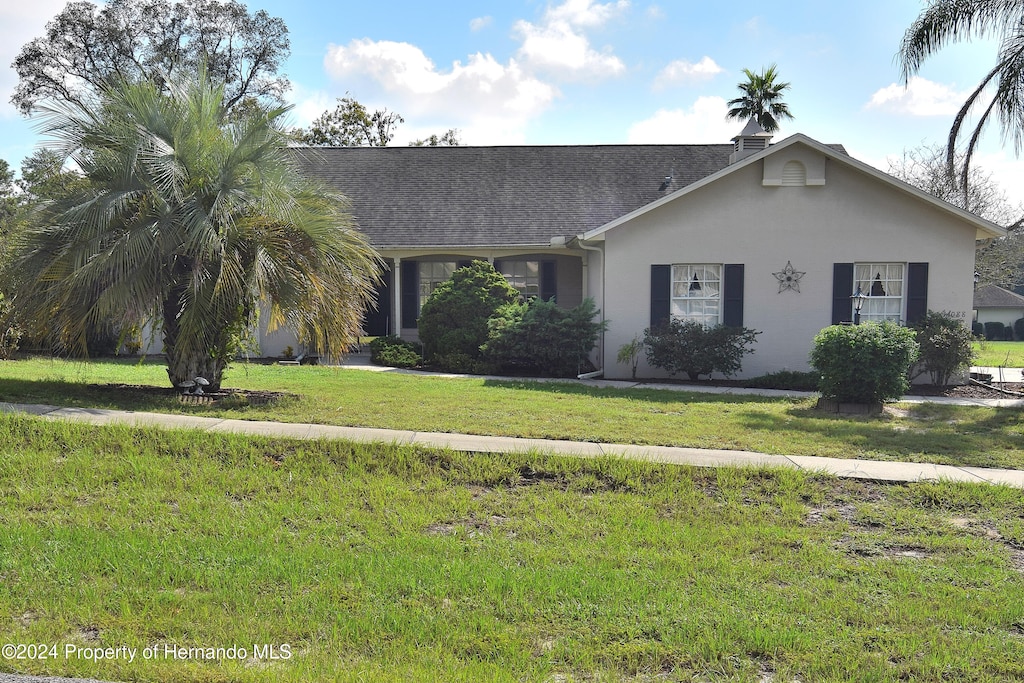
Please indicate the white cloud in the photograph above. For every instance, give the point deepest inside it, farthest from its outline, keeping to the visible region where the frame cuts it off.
(480, 23)
(585, 12)
(681, 71)
(920, 97)
(655, 12)
(480, 95)
(704, 122)
(558, 45)
(488, 101)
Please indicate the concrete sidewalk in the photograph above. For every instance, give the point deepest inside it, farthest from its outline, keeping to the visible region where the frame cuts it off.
(858, 469)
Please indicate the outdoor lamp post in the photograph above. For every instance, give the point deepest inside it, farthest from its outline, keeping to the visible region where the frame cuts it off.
(858, 303)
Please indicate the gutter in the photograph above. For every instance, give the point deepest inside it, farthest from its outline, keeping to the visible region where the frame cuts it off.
(579, 243)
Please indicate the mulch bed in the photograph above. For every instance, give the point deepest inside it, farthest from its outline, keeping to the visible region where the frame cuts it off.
(254, 398)
(970, 390)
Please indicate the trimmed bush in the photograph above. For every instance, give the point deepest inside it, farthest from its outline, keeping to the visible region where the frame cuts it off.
(538, 337)
(978, 330)
(995, 331)
(690, 347)
(945, 346)
(395, 352)
(790, 380)
(453, 321)
(1018, 329)
(864, 363)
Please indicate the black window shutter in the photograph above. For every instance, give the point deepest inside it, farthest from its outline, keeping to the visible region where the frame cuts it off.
(732, 295)
(842, 290)
(548, 281)
(917, 291)
(410, 293)
(661, 294)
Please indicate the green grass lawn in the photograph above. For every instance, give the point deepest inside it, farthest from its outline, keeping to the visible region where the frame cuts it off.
(996, 354)
(980, 437)
(397, 563)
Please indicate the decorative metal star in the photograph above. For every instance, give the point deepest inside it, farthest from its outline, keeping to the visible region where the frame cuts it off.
(789, 278)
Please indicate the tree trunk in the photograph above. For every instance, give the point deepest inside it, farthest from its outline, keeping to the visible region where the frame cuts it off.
(182, 367)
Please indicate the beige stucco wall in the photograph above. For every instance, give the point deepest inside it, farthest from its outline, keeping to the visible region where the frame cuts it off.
(853, 217)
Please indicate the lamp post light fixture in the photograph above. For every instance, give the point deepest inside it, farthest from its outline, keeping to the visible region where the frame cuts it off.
(858, 303)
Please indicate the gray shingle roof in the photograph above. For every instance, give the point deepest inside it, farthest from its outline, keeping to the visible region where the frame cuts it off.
(993, 296)
(484, 196)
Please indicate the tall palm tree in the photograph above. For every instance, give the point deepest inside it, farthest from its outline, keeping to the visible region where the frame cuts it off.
(191, 219)
(762, 99)
(948, 21)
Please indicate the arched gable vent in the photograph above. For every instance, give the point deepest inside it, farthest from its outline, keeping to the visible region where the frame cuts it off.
(794, 174)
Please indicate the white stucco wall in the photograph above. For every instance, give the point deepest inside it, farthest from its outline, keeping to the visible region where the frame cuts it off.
(853, 217)
(1007, 316)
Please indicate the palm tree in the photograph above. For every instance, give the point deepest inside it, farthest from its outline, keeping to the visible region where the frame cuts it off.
(191, 219)
(762, 99)
(948, 21)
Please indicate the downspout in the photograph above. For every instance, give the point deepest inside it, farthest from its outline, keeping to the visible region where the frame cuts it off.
(586, 266)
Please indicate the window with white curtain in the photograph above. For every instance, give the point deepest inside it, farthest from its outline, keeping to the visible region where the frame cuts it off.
(884, 285)
(697, 292)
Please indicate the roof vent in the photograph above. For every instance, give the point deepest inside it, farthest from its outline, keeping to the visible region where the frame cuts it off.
(751, 140)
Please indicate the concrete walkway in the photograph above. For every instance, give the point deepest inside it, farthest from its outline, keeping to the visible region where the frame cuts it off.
(858, 469)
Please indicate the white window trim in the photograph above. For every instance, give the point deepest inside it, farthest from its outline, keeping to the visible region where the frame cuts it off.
(876, 307)
(703, 305)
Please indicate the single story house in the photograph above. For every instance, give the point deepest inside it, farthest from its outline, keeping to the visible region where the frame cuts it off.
(995, 304)
(774, 237)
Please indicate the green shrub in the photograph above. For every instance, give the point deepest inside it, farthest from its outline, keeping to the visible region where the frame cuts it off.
(945, 346)
(459, 362)
(395, 352)
(995, 331)
(538, 337)
(630, 353)
(864, 363)
(789, 380)
(453, 321)
(977, 329)
(690, 347)
(1018, 329)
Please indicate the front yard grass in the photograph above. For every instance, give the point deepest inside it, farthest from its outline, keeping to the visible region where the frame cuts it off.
(996, 354)
(400, 563)
(968, 436)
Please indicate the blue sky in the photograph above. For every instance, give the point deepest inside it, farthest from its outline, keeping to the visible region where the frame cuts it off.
(590, 72)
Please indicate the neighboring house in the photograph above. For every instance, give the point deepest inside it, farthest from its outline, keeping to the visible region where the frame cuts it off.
(773, 237)
(995, 304)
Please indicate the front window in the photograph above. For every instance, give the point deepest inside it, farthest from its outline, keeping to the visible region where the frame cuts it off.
(523, 275)
(433, 273)
(883, 283)
(697, 292)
